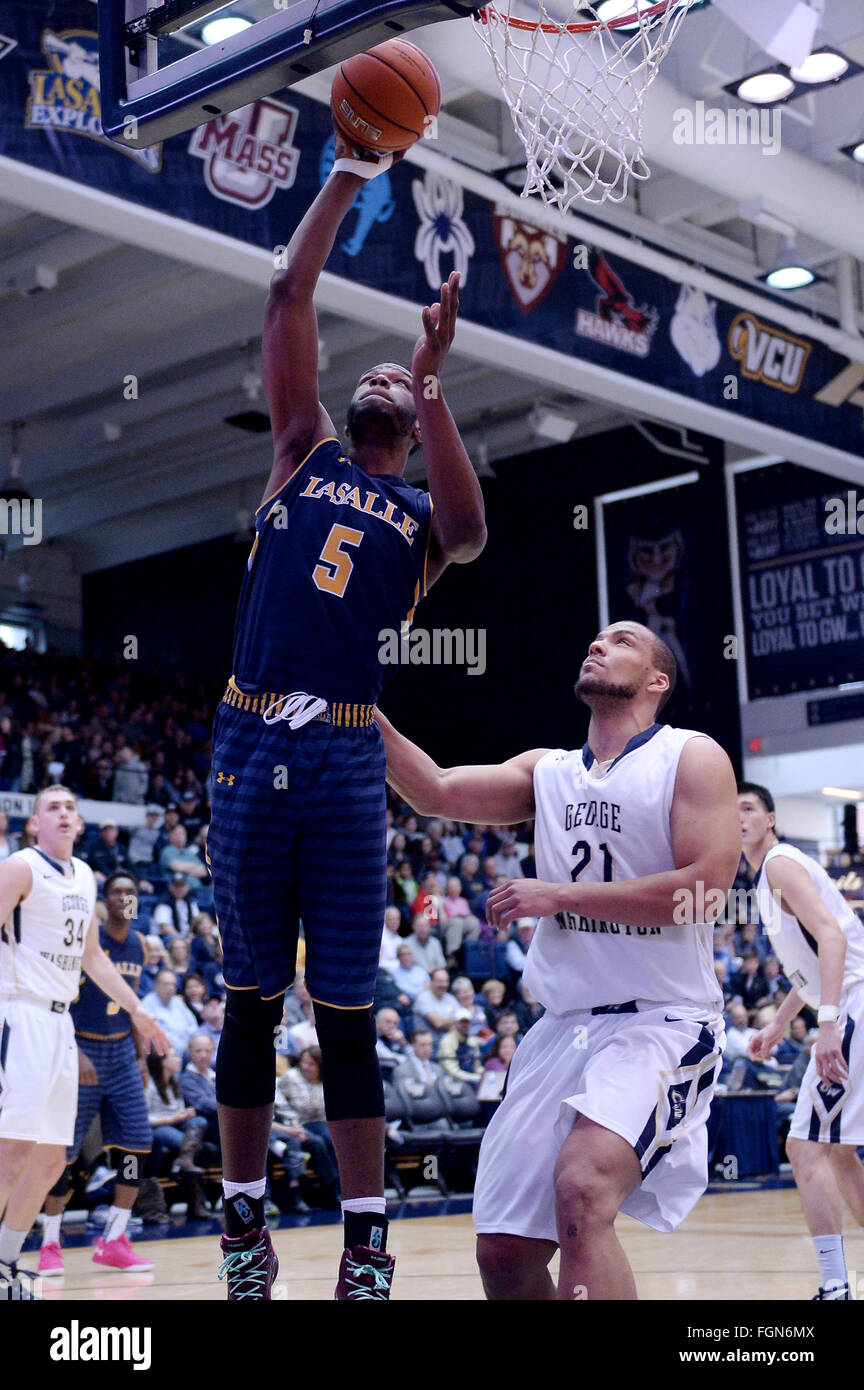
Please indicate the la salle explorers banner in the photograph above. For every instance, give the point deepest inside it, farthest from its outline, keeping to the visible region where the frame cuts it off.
(802, 580)
(252, 175)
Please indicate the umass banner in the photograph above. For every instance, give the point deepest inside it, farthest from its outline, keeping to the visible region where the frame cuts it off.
(253, 174)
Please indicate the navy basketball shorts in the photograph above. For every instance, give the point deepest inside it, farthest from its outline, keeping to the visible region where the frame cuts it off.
(298, 833)
(118, 1099)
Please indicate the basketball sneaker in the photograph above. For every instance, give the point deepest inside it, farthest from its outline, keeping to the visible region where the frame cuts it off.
(17, 1285)
(365, 1273)
(250, 1265)
(50, 1260)
(119, 1254)
(836, 1292)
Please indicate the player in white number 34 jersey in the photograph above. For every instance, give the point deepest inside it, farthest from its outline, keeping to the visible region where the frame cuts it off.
(820, 945)
(607, 1096)
(48, 934)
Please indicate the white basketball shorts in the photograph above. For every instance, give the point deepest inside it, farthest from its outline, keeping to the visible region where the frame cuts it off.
(38, 1073)
(648, 1076)
(834, 1114)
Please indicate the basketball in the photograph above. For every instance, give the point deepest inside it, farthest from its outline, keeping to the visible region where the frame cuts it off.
(383, 100)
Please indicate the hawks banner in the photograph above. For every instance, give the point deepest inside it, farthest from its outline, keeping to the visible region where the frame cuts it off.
(252, 175)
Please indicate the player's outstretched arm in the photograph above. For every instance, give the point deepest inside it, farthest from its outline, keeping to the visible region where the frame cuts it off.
(16, 881)
(706, 845)
(289, 351)
(105, 974)
(498, 794)
(800, 896)
(459, 517)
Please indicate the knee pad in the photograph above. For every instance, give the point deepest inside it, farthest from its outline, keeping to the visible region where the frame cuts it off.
(349, 1063)
(130, 1166)
(246, 1060)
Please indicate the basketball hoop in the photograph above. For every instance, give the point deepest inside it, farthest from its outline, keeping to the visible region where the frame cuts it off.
(576, 91)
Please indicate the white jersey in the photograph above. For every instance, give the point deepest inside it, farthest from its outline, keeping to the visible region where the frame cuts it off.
(795, 948)
(617, 826)
(42, 942)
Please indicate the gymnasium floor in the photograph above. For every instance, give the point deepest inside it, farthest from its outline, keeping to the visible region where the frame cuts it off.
(734, 1245)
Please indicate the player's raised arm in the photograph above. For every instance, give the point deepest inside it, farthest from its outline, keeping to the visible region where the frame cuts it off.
(499, 794)
(289, 353)
(706, 846)
(105, 974)
(459, 519)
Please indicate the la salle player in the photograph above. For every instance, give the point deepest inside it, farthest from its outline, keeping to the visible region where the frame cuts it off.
(608, 1094)
(344, 549)
(110, 1086)
(49, 934)
(819, 942)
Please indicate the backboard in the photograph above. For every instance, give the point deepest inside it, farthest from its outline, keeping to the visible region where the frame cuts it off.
(165, 68)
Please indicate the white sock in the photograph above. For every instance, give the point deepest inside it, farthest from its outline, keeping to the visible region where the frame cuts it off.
(377, 1204)
(51, 1229)
(10, 1244)
(115, 1226)
(832, 1265)
(252, 1189)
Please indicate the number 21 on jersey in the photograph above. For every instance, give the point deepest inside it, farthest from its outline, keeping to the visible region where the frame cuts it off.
(582, 851)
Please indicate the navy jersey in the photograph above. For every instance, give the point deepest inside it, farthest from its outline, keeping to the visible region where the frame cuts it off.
(93, 1013)
(339, 556)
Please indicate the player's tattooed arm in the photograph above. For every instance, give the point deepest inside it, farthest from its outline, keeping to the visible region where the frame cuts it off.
(459, 517)
(499, 794)
(105, 974)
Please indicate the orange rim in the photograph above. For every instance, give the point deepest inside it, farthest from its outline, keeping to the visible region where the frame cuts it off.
(586, 27)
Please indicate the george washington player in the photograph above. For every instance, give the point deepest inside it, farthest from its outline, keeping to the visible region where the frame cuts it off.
(49, 934)
(607, 1097)
(819, 942)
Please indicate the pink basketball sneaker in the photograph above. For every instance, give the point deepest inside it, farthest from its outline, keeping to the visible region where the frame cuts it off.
(119, 1254)
(50, 1260)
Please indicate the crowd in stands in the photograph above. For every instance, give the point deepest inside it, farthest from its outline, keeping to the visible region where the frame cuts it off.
(449, 995)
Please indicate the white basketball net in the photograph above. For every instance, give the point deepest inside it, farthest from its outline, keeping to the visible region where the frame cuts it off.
(576, 90)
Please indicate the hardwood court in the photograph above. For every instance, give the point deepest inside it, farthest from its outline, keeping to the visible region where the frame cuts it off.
(749, 1245)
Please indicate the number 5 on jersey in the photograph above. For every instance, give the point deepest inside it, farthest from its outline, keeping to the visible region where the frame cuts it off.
(334, 567)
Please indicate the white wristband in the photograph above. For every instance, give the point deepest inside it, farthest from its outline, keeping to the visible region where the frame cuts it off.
(828, 1013)
(363, 167)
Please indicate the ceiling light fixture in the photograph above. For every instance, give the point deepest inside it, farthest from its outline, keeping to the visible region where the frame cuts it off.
(218, 30)
(825, 65)
(764, 88)
(548, 423)
(844, 792)
(789, 271)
